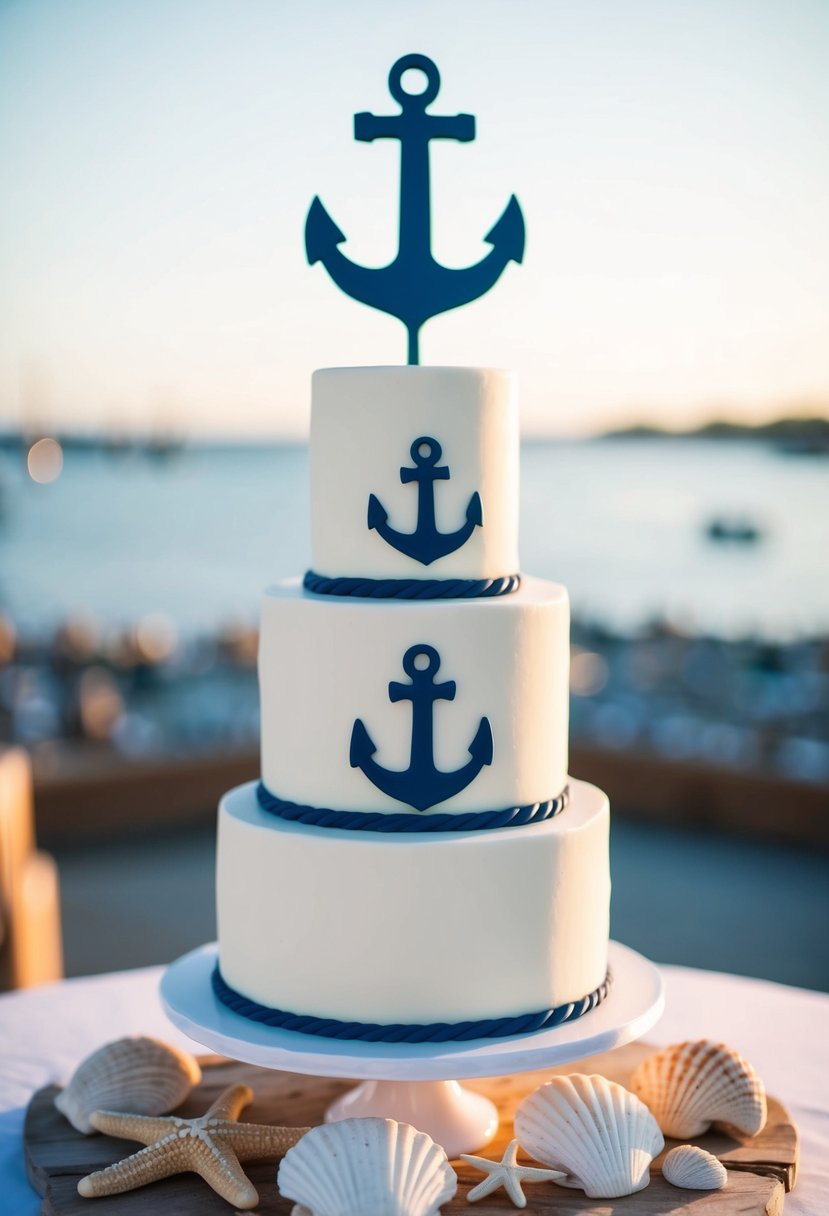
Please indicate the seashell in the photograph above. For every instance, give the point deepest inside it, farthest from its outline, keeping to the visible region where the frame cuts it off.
(141, 1075)
(689, 1086)
(600, 1134)
(694, 1169)
(366, 1167)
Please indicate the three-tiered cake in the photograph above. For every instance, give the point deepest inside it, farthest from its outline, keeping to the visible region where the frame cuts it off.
(414, 863)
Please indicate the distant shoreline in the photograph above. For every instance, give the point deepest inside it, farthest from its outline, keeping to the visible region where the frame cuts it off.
(808, 434)
(798, 436)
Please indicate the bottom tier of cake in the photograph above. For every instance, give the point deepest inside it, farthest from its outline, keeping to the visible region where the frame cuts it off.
(446, 927)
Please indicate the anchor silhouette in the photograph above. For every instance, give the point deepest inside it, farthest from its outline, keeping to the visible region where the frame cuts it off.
(414, 286)
(426, 544)
(421, 785)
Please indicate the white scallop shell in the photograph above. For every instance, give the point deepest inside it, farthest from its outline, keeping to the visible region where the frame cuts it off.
(601, 1135)
(366, 1167)
(139, 1076)
(689, 1086)
(694, 1169)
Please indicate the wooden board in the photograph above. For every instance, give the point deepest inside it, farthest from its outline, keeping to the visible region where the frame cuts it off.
(760, 1170)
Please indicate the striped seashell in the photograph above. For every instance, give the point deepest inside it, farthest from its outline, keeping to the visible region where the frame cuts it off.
(598, 1133)
(366, 1167)
(690, 1086)
(694, 1169)
(141, 1075)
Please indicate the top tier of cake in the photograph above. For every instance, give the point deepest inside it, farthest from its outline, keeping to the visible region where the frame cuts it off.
(414, 473)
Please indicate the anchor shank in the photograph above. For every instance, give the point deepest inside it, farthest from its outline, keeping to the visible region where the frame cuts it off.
(425, 478)
(426, 525)
(422, 755)
(422, 693)
(416, 130)
(415, 229)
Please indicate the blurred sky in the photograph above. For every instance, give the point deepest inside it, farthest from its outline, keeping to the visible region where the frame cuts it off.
(159, 156)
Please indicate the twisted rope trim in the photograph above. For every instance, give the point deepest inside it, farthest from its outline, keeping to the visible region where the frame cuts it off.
(433, 1032)
(411, 588)
(375, 821)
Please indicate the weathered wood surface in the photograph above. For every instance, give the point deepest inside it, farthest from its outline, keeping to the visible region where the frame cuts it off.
(760, 1170)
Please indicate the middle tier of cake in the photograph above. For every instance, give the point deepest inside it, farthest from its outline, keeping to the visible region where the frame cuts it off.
(409, 706)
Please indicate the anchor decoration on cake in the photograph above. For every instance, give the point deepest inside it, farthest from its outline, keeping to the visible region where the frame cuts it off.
(414, 286)
(426, 544)
(422, 784)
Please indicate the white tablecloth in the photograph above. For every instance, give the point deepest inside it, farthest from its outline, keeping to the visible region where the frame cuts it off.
(783, 1031)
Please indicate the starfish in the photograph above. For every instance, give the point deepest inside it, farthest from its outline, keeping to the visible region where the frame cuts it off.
(508, 1174)
(212, 1146)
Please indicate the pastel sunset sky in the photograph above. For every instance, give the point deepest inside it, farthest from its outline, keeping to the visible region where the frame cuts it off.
(159, 157)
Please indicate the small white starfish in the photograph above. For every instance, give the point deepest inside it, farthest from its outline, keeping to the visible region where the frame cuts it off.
(508, 1174)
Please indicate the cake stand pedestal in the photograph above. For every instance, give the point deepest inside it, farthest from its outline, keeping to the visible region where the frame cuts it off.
(415, 1083)
(452, 1115)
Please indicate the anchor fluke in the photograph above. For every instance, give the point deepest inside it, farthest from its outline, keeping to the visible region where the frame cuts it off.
(377, 516)
(480, 749)
(475, 511)
(321, 233)
(362, 747)
(508, 234)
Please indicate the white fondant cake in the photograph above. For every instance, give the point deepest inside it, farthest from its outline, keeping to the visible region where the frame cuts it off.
(325, 661)
(427, 928)
(364, 421)
(419, 709)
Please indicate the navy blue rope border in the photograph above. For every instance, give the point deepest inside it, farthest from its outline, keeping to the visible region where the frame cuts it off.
(433, 1032)
(376, 821)
(411, 588)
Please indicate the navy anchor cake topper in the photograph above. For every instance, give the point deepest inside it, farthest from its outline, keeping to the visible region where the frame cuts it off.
(426, 544)
(414, 286)
(422, 784)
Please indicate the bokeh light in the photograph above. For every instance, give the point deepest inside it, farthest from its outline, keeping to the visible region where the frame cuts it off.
(155, 638)
(588, 673)
(100, 703)
(45, 461)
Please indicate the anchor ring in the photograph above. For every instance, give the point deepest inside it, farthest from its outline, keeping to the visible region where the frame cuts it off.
(428, 458)
(429, 69)
(410, 662)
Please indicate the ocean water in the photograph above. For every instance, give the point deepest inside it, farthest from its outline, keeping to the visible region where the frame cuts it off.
(620, 522)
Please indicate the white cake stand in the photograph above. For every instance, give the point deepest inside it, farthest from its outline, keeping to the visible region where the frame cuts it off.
(415, 1082)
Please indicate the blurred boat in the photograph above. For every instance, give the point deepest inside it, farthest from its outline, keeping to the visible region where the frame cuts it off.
(163, 446)
(805, 446)
(733, 529)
